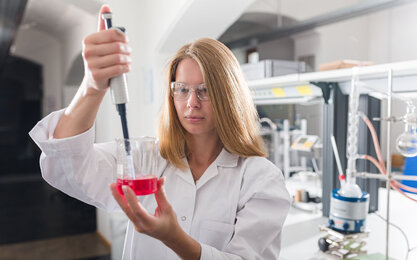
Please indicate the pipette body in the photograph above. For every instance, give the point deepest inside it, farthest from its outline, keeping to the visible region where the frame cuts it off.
(119, 96)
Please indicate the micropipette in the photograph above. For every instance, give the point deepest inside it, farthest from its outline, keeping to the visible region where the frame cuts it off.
(119, 95)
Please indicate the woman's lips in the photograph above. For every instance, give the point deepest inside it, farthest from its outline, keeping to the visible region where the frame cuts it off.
(194, 119)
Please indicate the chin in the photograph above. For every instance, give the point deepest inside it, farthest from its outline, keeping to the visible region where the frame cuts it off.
(195, 131)
(199, 131)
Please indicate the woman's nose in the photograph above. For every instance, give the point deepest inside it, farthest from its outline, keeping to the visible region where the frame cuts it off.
(193, 101)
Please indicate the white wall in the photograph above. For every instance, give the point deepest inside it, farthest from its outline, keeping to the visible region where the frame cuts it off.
(383, 37)
(84, 25)
(344, 40)
(392, 34)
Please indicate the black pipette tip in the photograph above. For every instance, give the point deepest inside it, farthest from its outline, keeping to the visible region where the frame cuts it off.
(121, 108)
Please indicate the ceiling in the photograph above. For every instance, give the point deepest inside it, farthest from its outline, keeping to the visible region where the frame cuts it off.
(259, 26)
(252, 23)
(59, 16)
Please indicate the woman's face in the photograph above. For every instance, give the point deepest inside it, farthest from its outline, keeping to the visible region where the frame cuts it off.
(196, 116)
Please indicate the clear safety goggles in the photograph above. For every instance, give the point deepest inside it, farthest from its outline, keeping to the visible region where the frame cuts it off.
(181, 91)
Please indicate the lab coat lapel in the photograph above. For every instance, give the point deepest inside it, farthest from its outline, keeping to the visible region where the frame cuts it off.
(224, 159)
(210, 173)
(185, 174)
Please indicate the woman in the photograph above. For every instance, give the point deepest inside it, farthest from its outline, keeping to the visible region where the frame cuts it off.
(219, 198)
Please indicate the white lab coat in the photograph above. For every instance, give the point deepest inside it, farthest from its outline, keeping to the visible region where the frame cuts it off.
(236, 210)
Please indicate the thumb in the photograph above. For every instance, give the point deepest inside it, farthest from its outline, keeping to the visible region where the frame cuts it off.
(103, 9)
(160, 195)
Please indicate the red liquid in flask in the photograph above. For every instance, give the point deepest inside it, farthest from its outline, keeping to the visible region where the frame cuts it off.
(144, 185)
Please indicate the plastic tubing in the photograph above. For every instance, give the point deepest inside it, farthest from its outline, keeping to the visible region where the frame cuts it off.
(405, 187)
(403, 193)
(379, 154)
(375, 162)
(380, 163)
(395, 185)
(374, 138)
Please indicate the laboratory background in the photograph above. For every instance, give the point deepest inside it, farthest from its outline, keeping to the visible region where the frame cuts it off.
(334, 83)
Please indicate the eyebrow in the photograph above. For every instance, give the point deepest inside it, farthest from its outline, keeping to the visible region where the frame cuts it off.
(189, 83)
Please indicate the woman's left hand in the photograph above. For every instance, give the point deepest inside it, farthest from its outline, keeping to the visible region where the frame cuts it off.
(163, 225)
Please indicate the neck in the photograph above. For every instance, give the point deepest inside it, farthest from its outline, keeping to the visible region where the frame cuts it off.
(203, 150)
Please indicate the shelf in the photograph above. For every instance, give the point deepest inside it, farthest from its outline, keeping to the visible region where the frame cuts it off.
(275, 94)
(376, 77)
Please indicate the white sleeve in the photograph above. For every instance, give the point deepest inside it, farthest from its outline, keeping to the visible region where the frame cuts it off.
(263, 207)
(75, 165)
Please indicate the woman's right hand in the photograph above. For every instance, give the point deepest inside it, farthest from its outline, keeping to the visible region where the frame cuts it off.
(106, 54)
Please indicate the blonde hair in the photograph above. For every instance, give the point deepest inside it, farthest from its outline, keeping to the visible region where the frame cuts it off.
(236, 116)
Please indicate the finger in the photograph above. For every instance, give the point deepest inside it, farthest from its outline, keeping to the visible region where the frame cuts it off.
(139, 211)
(107, 36)
(121, 200)
(109, 72)
(161, 182)
(106, 48)
(160, 195)
(103, 9)
(109, 60)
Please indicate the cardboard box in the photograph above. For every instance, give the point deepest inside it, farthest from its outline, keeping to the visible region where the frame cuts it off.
(343, 64)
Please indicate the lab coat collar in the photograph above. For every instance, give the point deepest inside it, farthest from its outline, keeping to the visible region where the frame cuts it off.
(224, 159)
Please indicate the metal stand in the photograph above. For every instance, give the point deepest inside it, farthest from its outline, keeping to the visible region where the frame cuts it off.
(389, 111)
(342, 246)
